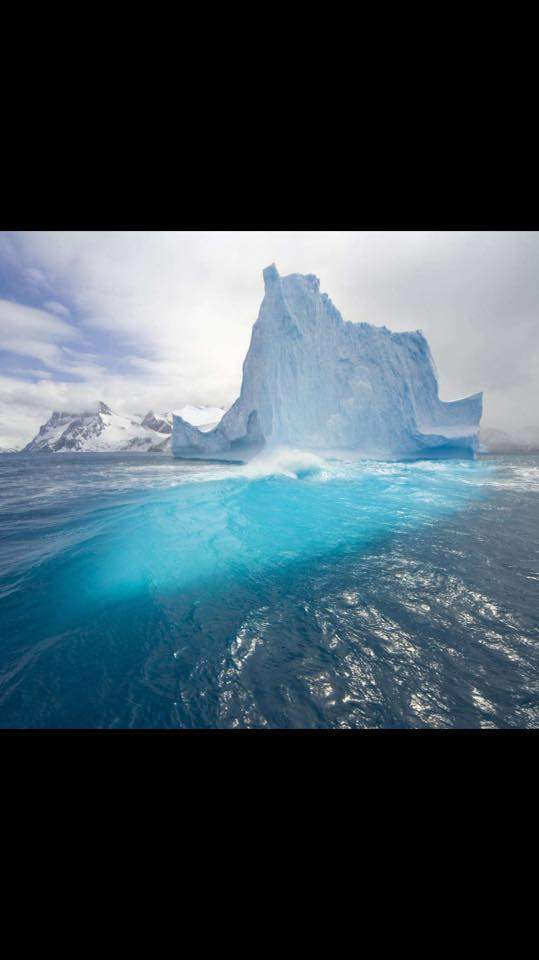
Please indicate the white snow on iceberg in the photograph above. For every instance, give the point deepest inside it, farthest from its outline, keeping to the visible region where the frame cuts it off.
(315, 382)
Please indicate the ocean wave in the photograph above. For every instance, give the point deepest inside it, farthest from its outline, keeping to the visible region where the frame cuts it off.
(296, 590)
(286, 462)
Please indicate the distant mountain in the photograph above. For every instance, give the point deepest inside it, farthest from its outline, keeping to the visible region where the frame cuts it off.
(492, 440)
(205, 418)
(9, 449)
(161, 423)
(104, 430)
(92, 432)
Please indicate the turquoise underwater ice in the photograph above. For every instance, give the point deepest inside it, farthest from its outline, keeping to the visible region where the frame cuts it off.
(292, 591)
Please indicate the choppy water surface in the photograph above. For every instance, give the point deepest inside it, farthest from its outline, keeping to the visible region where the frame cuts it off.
(139, 591)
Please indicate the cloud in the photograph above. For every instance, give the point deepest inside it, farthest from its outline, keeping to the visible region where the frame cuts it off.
(18, 320)
(54, 307)
(29, 332)
(161, 319)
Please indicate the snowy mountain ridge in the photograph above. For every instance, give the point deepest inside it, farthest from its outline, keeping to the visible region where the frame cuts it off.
(106, 431)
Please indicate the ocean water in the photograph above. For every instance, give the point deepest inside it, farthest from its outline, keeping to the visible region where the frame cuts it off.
(142, 591)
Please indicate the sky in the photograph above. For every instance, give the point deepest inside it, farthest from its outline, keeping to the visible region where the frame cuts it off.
(155, 320)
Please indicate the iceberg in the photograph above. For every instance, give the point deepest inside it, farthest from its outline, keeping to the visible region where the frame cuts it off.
(313, 381)
(203, 417)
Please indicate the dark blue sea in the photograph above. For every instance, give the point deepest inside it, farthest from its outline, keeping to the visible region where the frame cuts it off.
(139, 591)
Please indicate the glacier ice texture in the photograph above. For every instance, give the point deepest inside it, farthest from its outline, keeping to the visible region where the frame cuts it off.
(316, 382)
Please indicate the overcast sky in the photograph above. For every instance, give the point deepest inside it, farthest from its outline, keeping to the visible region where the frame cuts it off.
(156, 320)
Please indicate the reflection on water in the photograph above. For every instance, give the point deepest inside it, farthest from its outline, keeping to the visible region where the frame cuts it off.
(290, 592)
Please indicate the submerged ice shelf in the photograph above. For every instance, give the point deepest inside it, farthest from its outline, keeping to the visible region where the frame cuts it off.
(292, 591)
(315, 382)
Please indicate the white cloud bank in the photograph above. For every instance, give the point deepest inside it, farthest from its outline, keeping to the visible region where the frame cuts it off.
(181, 307)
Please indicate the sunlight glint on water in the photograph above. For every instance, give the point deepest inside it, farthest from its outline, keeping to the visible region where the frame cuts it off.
(296, 591)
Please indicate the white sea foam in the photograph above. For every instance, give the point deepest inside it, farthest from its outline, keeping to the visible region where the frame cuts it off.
(284, 461)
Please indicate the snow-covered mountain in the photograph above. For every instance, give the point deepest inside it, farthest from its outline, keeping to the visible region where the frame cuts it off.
(105, 430)
(492, 440)
(313, 381)
(160, 422)
(93, 432)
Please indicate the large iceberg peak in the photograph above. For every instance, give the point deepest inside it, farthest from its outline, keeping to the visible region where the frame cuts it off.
(313, 381)
(271, 277)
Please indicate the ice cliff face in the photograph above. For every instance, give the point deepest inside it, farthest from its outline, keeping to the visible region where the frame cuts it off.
(312, 380)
